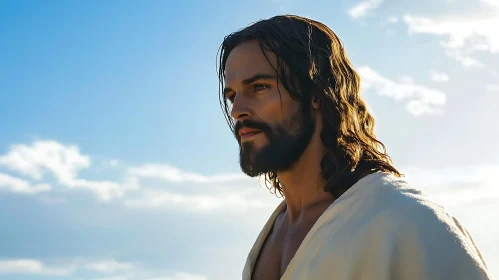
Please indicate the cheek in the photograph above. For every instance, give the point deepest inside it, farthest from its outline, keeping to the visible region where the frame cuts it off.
(276, 107)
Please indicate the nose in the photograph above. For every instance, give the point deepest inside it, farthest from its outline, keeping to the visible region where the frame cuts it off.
(240, 108)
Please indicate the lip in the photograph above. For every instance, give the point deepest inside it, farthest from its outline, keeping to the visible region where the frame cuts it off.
(245, 132)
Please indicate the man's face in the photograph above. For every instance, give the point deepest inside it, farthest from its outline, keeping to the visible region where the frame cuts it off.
(272, 129)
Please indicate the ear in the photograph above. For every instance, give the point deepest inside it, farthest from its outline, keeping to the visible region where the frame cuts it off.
(316, 104)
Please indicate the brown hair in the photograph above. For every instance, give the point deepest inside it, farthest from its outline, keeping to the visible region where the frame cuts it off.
(312, 63)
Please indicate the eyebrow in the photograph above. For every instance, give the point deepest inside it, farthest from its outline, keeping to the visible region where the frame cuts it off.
(252, 79)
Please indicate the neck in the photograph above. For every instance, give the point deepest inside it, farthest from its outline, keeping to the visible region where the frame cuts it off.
(302, 186)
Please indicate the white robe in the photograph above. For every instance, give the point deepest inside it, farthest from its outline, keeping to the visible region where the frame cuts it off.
(379, 229)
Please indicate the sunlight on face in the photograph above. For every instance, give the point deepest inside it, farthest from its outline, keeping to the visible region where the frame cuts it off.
(272, 129)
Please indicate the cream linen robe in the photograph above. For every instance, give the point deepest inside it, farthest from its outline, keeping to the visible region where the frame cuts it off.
(380, 229)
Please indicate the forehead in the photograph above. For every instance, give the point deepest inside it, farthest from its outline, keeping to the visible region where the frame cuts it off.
(246, 60)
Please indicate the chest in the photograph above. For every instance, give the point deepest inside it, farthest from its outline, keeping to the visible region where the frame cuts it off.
(277, 252)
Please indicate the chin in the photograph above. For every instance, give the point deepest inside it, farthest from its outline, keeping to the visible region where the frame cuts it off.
(256, 144)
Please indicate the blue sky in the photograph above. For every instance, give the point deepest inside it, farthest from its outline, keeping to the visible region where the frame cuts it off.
(116, 161)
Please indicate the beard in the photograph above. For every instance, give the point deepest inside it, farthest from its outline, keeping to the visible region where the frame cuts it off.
(286, 143)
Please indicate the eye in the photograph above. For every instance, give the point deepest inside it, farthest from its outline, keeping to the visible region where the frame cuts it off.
(259, 87)
(231, 97)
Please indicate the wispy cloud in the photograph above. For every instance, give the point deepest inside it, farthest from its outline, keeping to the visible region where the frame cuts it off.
(420, 100)
(459, 31)
(169, 173)
(438, 76)
(105, 190)
(363, 8)
(37, 267)
(109, 266)
(219, 192)
(17, 185)
(235, 201)
(65, 162)
(31, 266)
(452, 186)
(461, 38)
(101, 267)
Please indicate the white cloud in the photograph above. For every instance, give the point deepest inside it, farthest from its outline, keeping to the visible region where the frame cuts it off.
(169, 173)
(30, 266)
(458, 31)
(461, 37)
(235, 192)
(438, 76)
(105, 190)
(466, 60)
(63, 161)
(109, 266)
(227, 197)
(418, 108)
(492, 87)
(18, 185)
(133, 272)
(363, 8)
(420, 100)
(37, 267)
(236, 201)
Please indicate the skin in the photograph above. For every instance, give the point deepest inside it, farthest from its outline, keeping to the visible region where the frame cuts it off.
(266, 100)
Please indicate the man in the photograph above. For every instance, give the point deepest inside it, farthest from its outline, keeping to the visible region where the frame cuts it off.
(292, 99)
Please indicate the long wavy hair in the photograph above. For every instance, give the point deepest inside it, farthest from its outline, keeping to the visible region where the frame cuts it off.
(311, 62)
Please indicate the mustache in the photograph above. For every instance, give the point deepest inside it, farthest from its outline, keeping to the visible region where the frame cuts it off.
(251, 124)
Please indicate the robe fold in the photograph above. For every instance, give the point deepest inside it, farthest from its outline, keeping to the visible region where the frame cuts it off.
(381, 229)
